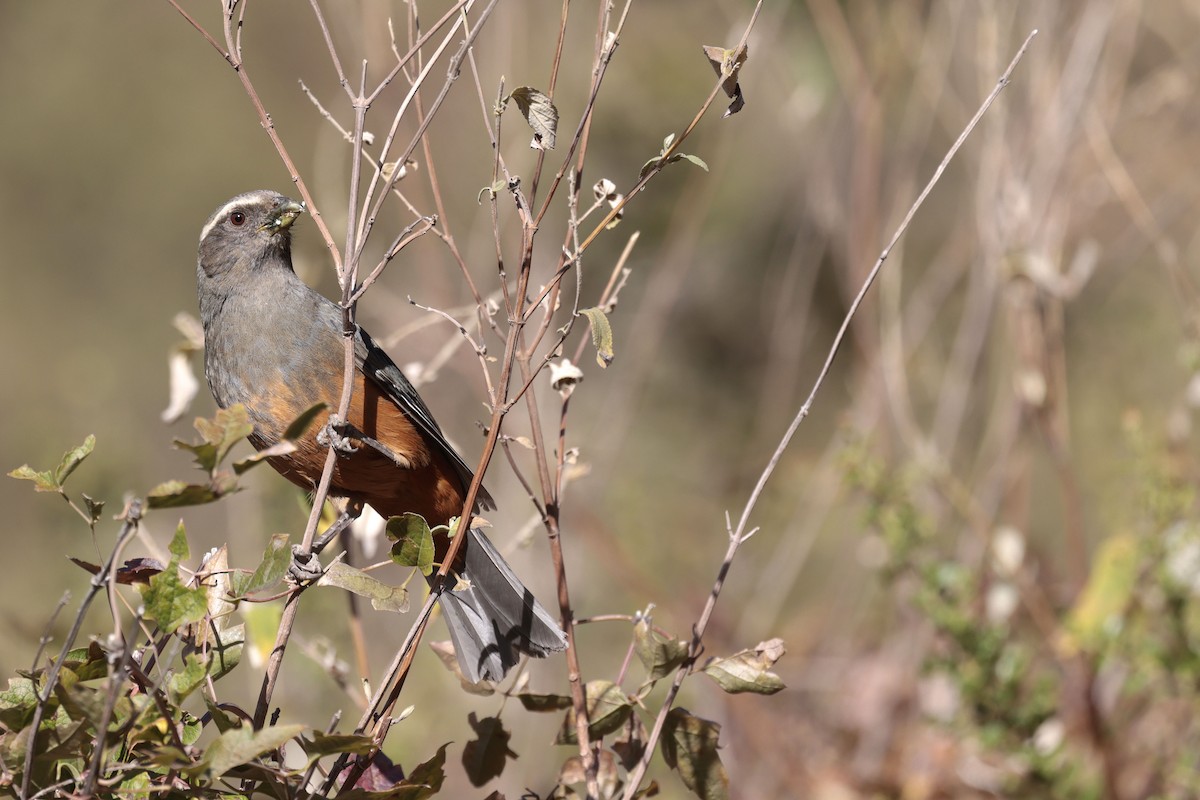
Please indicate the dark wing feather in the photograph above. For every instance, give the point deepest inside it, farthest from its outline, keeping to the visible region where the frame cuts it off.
(379, 367)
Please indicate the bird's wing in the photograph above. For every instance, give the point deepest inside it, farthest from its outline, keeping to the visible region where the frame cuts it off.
(379, 367)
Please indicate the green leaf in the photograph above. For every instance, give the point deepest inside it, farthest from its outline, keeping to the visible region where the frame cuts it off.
(689, 746)
(485, 756)
(240, 746)
(228, 427)
(602, 336)
(73, 458)
(17, 703)
(190, 728)
(175, 494)
(242, 465)
(333, 744)
(537, 109)
(659, 655)
(170, 603)
(608, 707)
(382, 596)
(413, 542)
(271, 569)
(185, 681)
(544, 702)
(178, 548)
(748, 670)
(134, 788)
(42, 481)
(300, 425)
(222, 719)
(697, 160)
(226, 646)
(222, 653)
(662, 159)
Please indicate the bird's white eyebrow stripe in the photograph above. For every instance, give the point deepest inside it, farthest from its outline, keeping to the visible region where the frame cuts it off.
(240, 200)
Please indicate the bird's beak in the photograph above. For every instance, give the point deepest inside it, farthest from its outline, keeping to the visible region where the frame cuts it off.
(283, 218)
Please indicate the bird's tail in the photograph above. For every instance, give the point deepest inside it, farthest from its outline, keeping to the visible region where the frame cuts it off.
(495, 618)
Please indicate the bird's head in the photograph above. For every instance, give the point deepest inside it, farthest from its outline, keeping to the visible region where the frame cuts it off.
(247, 231)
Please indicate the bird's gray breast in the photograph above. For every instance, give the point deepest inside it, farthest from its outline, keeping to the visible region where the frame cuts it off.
(268, 344)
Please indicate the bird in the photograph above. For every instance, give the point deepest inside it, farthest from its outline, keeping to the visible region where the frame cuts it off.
(276, 345)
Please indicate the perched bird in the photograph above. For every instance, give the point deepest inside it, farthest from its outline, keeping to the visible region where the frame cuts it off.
(275, 345)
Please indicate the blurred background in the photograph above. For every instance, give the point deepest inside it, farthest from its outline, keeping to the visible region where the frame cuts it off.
(1041, 311)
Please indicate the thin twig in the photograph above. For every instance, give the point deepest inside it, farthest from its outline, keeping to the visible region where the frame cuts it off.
(46, 638)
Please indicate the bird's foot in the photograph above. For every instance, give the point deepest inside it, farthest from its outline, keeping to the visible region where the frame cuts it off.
(334, 435)
(305, 568)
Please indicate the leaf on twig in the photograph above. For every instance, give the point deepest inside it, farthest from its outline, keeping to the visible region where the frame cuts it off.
(43, 481)
(171, 603)
(608, 707)
(382, 596)
(540, 113)
(413, 542)
(254, 459)
(430, 773)
(689, 746)
(602, 336)
(659, 655)
(333, 744)
(270, 570)
(217, 436)
(179, 549)
(174, 494)
(73, 458)
(183, 682)
(300, 425)
(665, 156)
(727, 64)
(52, 480)
(485, 756)
(242, 745)
(749, 670)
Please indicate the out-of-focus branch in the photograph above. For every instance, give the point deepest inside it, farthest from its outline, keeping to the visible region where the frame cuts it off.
(739, 534)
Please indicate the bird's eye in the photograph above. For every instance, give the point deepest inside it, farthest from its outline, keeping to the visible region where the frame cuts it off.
(237, 218)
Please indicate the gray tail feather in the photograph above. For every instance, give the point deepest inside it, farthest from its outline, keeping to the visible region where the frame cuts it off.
(497, 618)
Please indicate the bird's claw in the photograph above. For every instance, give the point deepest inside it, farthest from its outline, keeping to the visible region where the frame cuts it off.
(332, 435)
(305, 568)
